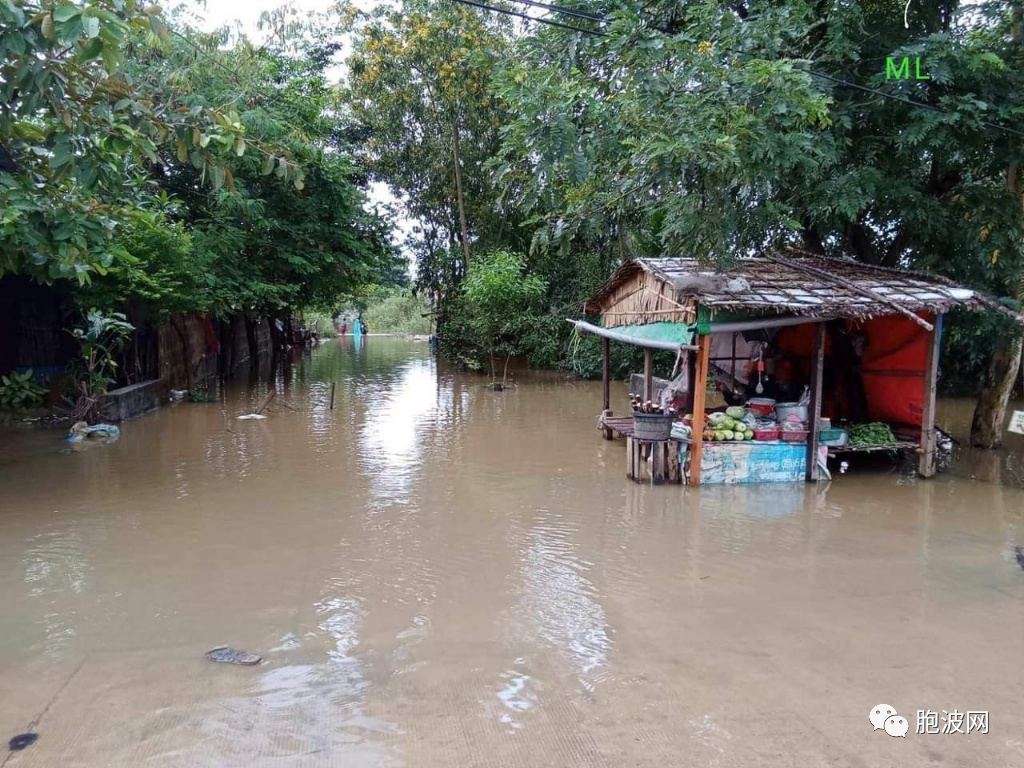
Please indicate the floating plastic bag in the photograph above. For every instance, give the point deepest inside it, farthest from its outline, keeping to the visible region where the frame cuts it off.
(80, 431)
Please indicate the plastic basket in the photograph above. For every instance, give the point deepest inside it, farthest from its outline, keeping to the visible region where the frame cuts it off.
(766, 434)
(833, 436)
(652, 426)
(794, 436)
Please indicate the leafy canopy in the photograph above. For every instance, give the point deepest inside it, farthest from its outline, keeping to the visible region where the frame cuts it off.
(78, 132)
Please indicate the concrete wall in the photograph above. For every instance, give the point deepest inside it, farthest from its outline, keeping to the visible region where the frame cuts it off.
(128, 402)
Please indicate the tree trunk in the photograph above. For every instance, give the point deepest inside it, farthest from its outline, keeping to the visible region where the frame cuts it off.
(990, 411)
(463, 226)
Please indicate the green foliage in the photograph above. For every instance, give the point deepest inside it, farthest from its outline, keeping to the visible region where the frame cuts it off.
(264, 246)
(715, 130)
(323, 324)
(968, 342)
(100, 338)
(396, 310)
(420, 82)
(77, 132)
(18, 390)
(162, 271)
(499, 296)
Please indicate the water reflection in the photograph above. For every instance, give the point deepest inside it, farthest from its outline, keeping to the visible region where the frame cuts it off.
(516, 695)
(392, 435)
(735, 515)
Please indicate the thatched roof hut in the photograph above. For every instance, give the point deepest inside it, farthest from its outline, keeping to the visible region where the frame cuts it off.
(671, 290)
(679, 304)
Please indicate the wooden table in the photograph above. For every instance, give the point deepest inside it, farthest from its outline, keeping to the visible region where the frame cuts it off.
(663, 466)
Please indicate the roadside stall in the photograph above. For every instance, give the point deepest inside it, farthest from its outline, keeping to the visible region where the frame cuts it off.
(783, 361)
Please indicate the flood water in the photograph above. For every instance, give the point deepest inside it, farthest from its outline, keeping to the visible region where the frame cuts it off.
(439, 575)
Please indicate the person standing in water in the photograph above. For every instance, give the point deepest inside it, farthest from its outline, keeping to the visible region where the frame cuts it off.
(343, 328)
(362, 326)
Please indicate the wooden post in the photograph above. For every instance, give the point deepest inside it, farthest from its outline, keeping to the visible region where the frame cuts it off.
(672, 473)
(700, 383)
(734, 362)
(606, 365)
(817, 366)
(333, 384)
(606, 383)
(648, 373)
(658, 462)
(926, 467)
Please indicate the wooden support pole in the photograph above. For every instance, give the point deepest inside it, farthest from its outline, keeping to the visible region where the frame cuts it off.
(700, 384)
(648, 374)
(606, 383)
(658, 462)
(333, 384)
(606, 368)
(926, 467)
(814, 411)
(734, 362)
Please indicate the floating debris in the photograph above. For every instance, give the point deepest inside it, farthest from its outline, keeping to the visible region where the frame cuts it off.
(22, 740)
(228, 655)
(248, 416)
(81, 430)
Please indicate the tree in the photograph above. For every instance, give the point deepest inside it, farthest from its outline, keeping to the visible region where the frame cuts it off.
(498, 293)
(270, 247)
(76, 133)
(420, 85)
(717, 129)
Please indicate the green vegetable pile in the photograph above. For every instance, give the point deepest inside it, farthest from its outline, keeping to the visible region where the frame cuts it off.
(874, 434)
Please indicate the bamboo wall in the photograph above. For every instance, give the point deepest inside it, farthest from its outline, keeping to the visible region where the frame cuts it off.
(645, 298)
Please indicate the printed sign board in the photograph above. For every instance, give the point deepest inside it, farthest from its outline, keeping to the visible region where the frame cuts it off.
(753, 463)
(1017, 422)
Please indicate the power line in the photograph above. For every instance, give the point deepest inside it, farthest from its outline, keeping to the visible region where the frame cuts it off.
(508, 12)
(567, 11)
(812, 73)
(910, 102)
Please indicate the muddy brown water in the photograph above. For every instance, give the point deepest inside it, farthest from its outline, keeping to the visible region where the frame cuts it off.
(438, 575)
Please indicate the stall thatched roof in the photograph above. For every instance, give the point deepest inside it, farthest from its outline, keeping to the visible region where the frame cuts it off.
(803, 285)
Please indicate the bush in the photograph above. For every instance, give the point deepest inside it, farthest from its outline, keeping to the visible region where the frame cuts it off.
(396, 310)
(18, 390)
(498, 296)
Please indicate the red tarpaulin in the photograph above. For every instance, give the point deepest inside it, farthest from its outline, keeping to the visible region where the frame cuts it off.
(892, 368)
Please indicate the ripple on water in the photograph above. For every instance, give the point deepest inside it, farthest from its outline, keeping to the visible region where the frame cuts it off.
(557, 599)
